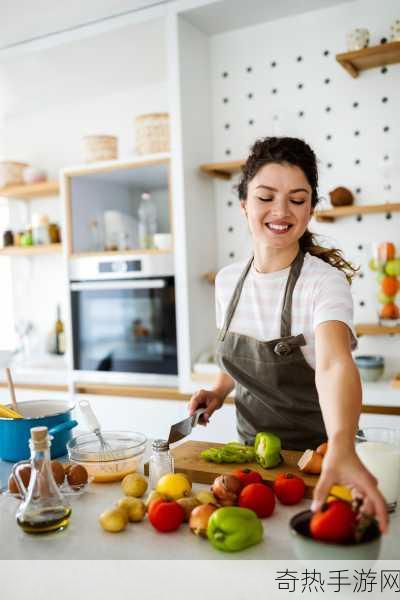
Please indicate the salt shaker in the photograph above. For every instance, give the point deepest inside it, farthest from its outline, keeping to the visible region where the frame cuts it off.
(161, 462)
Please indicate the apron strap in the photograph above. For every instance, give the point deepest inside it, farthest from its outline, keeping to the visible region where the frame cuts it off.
(234, 300)
(286, 317)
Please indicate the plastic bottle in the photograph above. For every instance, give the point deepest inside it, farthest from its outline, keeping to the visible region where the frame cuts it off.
(147, 214)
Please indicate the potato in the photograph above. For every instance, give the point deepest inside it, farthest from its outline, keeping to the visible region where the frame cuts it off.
(113, 520)
(134, 485)
(134, 507)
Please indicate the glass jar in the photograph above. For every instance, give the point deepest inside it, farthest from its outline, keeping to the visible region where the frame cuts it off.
(161, 462)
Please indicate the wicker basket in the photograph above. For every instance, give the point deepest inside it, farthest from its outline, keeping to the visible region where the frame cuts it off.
(152, 133)
(99, 147)
(11, 173)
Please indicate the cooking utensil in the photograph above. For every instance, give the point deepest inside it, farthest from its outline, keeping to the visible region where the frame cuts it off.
(127, 447)
(180, 430)
(94, 426)
(187, 460)
(15, 433)
(11, 388)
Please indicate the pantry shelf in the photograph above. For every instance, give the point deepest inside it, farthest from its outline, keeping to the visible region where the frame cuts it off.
(329, 215)
(31, 250)
(30, 192)
(376, 329)
(122, 252)
(370, 58)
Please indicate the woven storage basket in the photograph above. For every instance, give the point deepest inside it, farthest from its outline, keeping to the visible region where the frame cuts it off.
(99, 147)
(11, 173)
(152, 133)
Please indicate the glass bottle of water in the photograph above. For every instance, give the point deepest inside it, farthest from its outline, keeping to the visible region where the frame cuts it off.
(147, 214)
(161, 462)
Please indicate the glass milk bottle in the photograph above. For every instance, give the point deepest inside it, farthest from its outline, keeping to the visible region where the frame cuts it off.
(147, 214)
(43, 509)
(161, 462)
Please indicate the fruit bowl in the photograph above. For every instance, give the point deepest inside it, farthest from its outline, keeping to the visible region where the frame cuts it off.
(125, 450)
(307, 548)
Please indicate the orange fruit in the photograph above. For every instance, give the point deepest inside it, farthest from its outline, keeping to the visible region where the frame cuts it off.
(386, 251)
(389, 311)
(390, 286)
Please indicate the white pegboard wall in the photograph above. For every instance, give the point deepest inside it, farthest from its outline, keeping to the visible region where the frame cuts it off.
(281, 78)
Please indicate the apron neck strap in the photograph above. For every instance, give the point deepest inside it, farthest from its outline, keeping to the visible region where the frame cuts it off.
(286, 317)
(235, 299)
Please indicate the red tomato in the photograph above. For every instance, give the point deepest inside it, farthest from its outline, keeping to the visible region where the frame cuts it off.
(166, 515)
(335, 522)
(247, 476)
(289, 489)
(258, 497)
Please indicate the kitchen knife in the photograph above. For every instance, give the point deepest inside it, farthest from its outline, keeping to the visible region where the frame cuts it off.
(180, 430)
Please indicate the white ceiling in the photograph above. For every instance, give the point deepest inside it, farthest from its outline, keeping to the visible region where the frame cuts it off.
(233, 14)
(30, 19)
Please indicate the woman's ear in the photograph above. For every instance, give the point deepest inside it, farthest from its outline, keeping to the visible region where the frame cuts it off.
(243, 207)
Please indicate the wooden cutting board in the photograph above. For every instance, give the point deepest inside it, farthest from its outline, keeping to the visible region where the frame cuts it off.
(188, 460)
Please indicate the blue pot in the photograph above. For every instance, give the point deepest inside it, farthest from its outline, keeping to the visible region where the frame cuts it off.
(15, 433)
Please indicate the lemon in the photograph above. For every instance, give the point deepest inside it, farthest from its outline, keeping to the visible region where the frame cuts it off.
(174, 485)
(341, 492)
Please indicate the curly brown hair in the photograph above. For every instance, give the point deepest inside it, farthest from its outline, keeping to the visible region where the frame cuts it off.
(295, 152)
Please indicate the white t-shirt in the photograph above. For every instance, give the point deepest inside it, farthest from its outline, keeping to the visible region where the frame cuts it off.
(322, 293)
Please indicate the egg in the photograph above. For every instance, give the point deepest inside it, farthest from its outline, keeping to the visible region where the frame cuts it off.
(58, 472)
(77, 476)
(25, 475)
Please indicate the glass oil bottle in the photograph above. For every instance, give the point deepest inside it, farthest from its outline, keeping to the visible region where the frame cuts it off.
(43, 509)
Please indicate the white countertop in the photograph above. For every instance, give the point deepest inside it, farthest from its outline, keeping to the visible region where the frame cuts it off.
(85, 539)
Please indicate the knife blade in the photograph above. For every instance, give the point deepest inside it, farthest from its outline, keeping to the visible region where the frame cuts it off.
(183, 428)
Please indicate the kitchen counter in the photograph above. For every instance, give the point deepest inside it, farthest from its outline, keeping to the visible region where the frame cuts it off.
(84, 538)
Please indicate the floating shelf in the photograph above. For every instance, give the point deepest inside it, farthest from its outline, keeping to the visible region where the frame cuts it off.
(376, 329)
(106, 253)
(31, 250)
(222, 170)
(370, 58)
(32, 191)
(347, 211)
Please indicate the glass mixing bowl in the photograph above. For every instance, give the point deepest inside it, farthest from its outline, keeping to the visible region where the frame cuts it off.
(123, 454)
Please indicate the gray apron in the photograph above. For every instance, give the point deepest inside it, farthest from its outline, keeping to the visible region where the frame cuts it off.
(275, 386)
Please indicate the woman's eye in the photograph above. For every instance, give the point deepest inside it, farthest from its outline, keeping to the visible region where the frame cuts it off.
(297, 201)
(265, 199)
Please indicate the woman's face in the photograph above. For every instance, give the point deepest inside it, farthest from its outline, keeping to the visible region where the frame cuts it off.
(278, 205)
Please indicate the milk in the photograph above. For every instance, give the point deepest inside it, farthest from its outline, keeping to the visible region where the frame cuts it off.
(383, 461)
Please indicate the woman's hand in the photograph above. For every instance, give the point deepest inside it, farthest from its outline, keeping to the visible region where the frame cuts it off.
(207, 399)
(342, 466)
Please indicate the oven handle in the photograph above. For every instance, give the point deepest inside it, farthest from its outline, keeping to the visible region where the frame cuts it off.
(118, 285)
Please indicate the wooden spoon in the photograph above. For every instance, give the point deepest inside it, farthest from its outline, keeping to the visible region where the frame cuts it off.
(11, 388)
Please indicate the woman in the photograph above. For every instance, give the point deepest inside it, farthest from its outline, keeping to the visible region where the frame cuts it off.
(285, 325)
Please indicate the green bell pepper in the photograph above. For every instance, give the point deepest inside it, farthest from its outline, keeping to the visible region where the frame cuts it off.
(234, 452)
(268, 449)
(232, 528)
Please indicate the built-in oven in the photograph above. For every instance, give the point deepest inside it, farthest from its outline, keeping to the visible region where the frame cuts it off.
(123, 319)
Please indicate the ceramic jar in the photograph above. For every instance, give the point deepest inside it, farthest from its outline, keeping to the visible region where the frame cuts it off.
(395, 31)
(357, 39)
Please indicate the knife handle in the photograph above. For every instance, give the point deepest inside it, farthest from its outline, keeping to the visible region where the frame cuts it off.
(196, 416)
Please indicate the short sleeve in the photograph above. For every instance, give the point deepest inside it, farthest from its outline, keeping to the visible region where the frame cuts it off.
(333, 302)
(219, 316)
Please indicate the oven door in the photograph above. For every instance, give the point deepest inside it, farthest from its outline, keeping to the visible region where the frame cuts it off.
(125, 326)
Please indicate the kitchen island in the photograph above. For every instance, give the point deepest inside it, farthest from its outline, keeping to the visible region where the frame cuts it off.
(85, 539)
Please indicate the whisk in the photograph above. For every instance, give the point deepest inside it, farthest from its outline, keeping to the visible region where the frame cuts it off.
(107, 452)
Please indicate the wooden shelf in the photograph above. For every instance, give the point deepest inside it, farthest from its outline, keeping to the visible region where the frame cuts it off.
(31, 250)
(210, 277)
(103, 389)
(370, 58)
(331, 214)
(122, 252)
(376, 329)
(30, 192)
(222, 170)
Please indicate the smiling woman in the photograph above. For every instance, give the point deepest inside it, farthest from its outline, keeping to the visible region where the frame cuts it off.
(285, 324)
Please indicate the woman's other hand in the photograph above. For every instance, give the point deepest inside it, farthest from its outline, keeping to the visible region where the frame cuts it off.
(205, 399)
(342, 466)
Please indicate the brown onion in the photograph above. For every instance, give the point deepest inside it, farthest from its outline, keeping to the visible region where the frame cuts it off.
(198, 521)
(226, 489)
